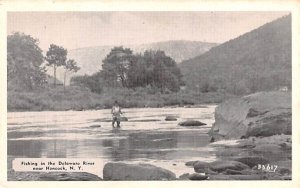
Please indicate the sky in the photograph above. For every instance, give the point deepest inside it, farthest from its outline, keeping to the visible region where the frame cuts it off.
(84, 29)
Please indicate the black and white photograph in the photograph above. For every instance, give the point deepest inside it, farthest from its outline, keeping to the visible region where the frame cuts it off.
(149, 95)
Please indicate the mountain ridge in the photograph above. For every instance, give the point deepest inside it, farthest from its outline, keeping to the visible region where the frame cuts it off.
(90, 58)
(147, 43)
(257, 60)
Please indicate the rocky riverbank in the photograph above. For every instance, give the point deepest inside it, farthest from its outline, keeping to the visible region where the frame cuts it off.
(247, 159)
(254, 158)
(261, 114)
(253, 139)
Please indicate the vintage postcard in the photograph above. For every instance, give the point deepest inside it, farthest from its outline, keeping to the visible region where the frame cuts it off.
(144, 94)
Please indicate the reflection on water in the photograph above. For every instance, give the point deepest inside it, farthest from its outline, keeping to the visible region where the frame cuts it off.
(78, 135)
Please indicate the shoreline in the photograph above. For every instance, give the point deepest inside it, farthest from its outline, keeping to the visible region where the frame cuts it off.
(204, 105)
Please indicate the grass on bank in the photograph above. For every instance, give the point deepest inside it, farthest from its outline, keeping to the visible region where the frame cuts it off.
(77, 98)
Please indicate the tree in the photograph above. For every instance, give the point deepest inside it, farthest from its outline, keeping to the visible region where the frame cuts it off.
(137, 76)
(116, 65)
(70, 66)
(24, 62)
(162, 71)
(56, 57)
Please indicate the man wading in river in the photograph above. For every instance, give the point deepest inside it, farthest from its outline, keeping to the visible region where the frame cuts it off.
(116, 113)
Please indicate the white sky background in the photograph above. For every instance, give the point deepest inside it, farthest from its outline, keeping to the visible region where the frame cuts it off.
(83, 29)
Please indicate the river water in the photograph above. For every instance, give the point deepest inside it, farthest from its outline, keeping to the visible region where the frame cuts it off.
(146, 137)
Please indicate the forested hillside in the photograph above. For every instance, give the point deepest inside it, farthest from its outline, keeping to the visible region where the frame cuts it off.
(256, 61)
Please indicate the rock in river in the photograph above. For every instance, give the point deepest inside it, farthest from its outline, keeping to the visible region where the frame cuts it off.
(233, 172)
(221, 165)
(259, 114)
(184, 176)
(191, 123)
(122, 171)
(171, 118)
(191, 163)
(197, 176)
(95, 126)
(218, 166)
(200, 166)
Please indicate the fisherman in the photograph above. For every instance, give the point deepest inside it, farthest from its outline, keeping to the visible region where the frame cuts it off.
(116, 114)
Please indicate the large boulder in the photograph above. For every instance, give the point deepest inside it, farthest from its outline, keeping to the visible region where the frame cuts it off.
(122, 171)
(201, 167)
(219, 166)
(259, 114)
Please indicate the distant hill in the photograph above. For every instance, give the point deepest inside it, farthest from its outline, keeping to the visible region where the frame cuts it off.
(90, 58)
(258, 60)
(178, 50)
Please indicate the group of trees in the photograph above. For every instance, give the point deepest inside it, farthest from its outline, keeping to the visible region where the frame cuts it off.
(122, 68)
(155, 69)
(25, 61)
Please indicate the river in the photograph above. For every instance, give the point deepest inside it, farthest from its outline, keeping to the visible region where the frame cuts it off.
(146, 136)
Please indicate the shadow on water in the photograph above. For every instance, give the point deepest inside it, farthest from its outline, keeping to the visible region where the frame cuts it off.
(117, 145)
(157, 145)
(141, 145)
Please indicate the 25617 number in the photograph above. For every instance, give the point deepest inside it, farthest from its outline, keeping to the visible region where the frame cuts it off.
(267, 167)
